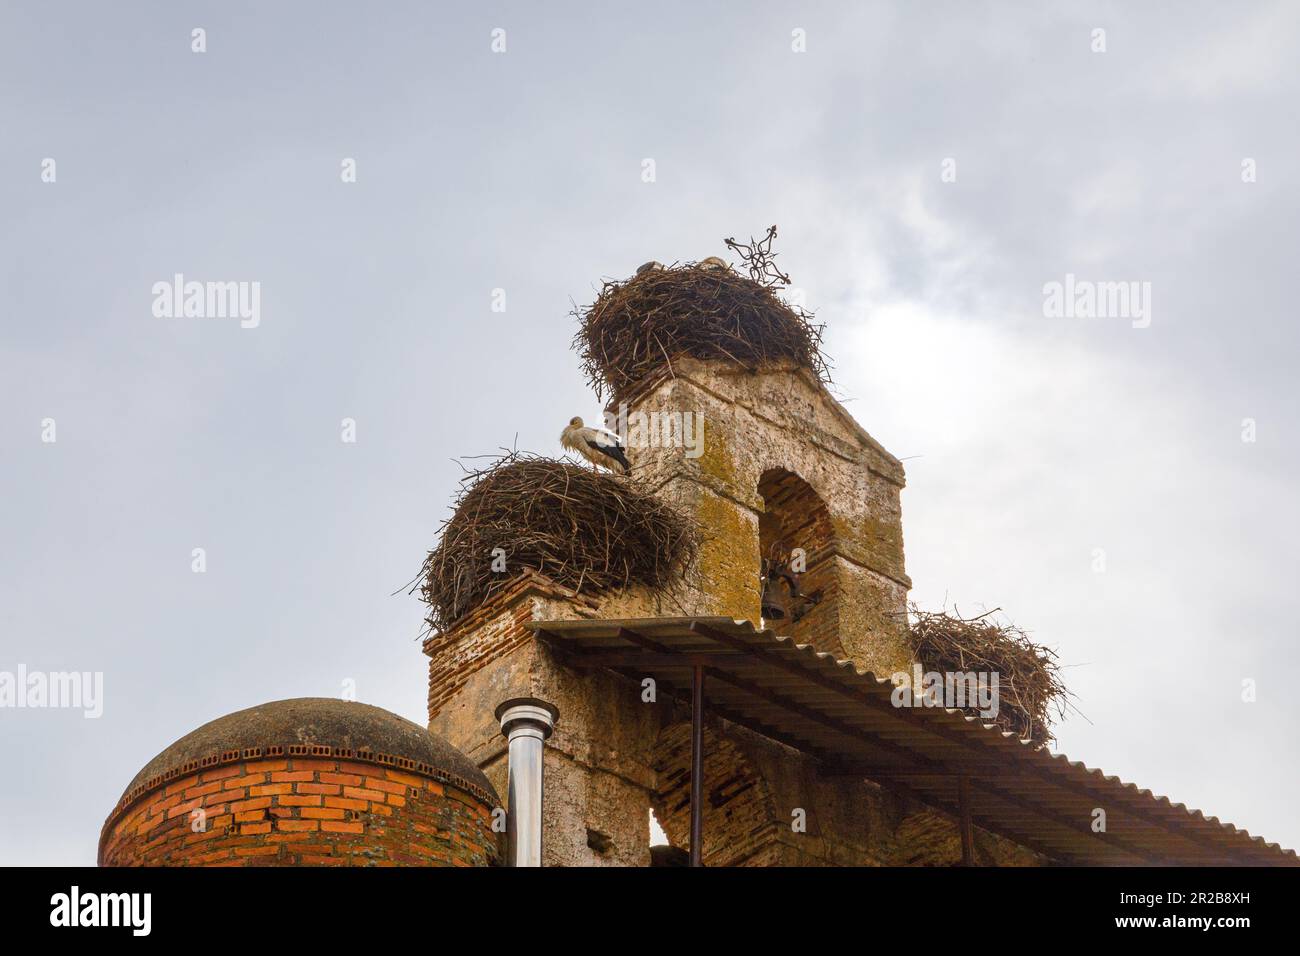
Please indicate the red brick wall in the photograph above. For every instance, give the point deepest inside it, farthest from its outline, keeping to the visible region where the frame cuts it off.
(490, 631)
(739, 821)
(301, 811)
(477, 639)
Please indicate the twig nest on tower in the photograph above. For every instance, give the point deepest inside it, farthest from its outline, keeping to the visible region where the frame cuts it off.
(585, 530)
(637, 327)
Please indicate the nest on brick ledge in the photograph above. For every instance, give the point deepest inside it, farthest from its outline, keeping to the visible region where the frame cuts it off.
(1029, 683)
(582, 529)
(637, 327)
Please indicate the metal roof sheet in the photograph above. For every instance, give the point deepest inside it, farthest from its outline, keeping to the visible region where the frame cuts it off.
(844, 717)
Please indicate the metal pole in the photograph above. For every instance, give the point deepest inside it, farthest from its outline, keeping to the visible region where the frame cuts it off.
(697, 763)
(526, 723)
(963, 808)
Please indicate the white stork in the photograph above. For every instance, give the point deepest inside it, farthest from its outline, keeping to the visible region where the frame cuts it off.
(713, 262)
(598, 446)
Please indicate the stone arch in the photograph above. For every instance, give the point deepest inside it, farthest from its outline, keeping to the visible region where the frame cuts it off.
(740, 820)
(796, 520)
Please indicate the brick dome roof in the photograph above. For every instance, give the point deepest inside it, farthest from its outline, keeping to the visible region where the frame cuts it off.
(311, 726)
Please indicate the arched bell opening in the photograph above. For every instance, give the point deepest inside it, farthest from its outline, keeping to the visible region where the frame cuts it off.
(797, 573)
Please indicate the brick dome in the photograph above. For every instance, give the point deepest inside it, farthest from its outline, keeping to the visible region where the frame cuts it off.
(303, 782)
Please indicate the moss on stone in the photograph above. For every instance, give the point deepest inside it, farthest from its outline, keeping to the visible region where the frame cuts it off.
(878, 541)
(715, 462)
(727, 551)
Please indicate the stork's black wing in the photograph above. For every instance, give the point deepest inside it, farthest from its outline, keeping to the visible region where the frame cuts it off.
(613, 450)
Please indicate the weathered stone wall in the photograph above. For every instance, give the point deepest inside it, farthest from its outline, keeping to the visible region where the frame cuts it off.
(766, 805)
(740, 823)
(780, 459)
(781, 420)
(929, 838)
(597, 762)
(614, 756)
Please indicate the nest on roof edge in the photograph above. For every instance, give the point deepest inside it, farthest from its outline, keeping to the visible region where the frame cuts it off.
(1030, 690)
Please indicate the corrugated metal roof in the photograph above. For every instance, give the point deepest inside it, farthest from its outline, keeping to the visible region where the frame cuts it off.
(827, 708)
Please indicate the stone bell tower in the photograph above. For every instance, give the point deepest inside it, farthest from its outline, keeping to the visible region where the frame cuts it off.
(780, 467)
(766, 463)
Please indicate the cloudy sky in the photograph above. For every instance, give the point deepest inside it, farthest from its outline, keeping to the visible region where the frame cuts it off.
(1088, 475)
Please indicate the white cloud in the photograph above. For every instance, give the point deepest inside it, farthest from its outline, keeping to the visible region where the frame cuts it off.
(1250, 54)
(1034, 449)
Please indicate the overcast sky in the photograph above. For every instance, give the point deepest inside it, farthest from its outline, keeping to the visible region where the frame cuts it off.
(1031, 442)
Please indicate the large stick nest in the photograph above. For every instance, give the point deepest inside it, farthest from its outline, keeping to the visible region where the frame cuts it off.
(1030, 690)
(639, 326)
(583, 529)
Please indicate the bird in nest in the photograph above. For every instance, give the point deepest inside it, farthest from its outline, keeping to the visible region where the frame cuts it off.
(599, 446)
(713, 262)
